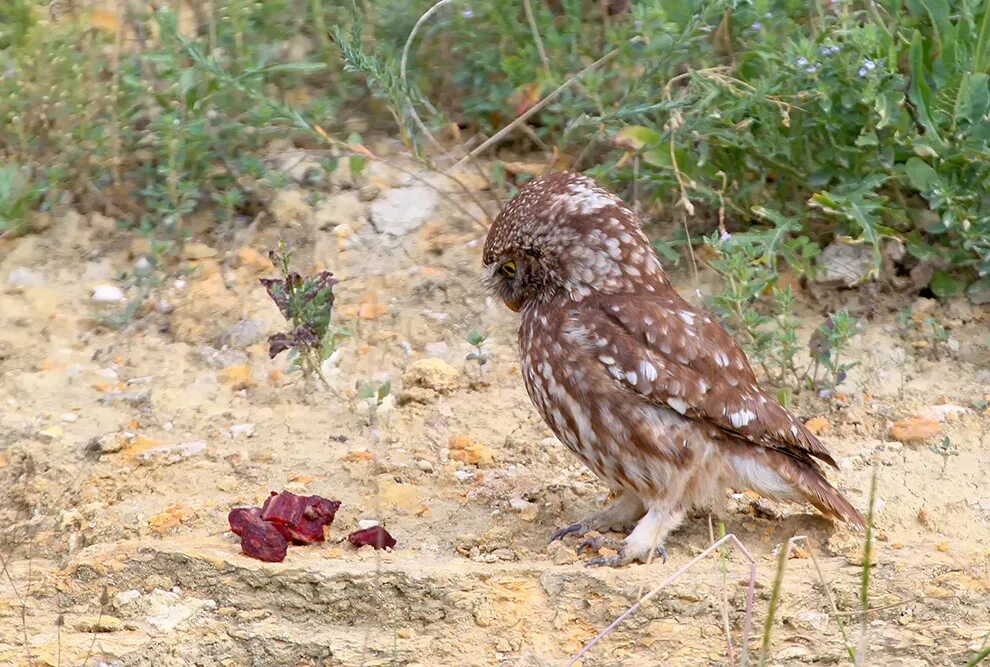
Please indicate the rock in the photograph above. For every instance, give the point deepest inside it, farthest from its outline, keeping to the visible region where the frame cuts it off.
(369, 193)
(108, 294)
(25, 277)
(166, 610)
(915, 430)
(464, 449)
(364, 524)
(290, 208)
(245, 333)
(818, 425)
(402, 210)
(254, 260)
(101, 623)
(108, 443)
(941, 413)
(437, 349)
(173, 453)
(844, 262)
(242, 431)
(237, 377)
(432, 374)
(195, 251)
(345, 208)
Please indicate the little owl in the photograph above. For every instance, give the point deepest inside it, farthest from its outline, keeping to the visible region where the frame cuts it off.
(649, 392)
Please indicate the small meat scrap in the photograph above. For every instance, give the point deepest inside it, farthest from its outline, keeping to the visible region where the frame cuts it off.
(375, 536)
(266, 531)
(240, 516)
(261, 539)
(300, 519)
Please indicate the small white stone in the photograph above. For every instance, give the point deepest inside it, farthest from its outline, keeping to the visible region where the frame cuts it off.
(519, 505)
(108, 294)
(242, 430)
(424, 465)
(69, 417)
(124, 597)
(109, 374)
(463, 475)
(365, 524)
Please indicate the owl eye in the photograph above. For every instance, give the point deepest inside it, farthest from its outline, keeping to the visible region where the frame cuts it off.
(508, 269)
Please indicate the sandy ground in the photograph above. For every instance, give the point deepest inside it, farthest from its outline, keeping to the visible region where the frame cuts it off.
(122, 449)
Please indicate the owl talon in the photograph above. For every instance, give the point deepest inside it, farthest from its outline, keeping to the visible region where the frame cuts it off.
(595, 544)
(622, 558)
(561, 533)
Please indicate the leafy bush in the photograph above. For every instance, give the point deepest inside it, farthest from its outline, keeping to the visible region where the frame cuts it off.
(122, 120)
(807, 120)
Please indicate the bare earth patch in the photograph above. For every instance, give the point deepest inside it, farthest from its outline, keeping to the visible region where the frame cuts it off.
(122, 451)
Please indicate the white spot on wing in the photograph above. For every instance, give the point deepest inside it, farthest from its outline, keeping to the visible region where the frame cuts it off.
(741, 418)
(678, 404)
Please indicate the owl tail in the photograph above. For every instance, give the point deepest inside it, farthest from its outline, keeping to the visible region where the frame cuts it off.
(780, 476)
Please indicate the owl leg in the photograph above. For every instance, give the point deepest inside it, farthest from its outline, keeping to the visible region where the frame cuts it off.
(645, 543)
(618, 515)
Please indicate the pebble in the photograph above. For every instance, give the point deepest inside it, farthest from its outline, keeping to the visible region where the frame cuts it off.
(424, 465)
(463, 475)
(108, 294)
(174, 453)
(432, 373)
(245, 333)
(520, 505)
(940, 413)
(914, 429)
(25, 277)
(403, 210)
(242, 430)
(69, 417)
(365, 524)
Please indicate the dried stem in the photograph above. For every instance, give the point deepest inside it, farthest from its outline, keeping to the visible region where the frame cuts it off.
(536, 108)
(747, 625)
(536, 37)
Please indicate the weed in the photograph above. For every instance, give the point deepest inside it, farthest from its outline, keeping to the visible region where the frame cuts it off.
(18, 196)
(376, 395)
(476, 339)
(306, 304)
(945, 449)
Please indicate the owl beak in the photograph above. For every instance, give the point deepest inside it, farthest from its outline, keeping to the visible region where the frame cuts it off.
(513, 305)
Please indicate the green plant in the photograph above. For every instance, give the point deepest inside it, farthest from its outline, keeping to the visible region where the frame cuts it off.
(306, 304)
(18, 196)
(945, 449)
(827, 346)
(476, 339)
(761, 313)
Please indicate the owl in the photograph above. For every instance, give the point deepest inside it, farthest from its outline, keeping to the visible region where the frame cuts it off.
(649, 392)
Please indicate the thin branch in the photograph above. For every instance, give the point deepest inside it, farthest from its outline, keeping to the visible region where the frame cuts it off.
(536, 108)
(536, 37)
(747, 625)
(402, 72)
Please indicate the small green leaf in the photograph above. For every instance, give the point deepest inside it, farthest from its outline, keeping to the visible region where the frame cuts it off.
(635, 137)
(944, 285)
(976, 103)
(921, 174)
(920, 93)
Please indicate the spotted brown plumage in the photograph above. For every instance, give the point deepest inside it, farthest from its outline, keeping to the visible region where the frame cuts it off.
(648, 391)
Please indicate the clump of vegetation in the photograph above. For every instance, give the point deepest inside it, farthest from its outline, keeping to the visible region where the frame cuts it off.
(18, 196)
(306, 304)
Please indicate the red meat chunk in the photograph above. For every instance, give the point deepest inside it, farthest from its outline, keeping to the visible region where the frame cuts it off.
(261, 539)
(376, 536)
(300, 519)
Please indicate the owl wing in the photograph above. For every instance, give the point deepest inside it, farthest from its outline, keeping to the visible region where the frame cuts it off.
(673, 355)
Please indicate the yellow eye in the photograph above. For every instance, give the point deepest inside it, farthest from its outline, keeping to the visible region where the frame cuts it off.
(508, 269)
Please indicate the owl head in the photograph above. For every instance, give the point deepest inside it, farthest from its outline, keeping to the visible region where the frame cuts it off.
(563, 236)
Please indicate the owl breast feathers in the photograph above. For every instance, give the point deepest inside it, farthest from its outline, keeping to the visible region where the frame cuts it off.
(649, 392)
